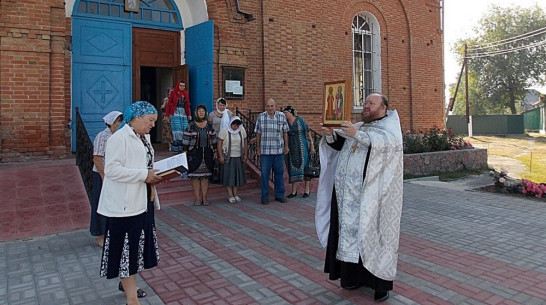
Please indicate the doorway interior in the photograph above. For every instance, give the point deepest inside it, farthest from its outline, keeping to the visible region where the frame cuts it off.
(155, 83)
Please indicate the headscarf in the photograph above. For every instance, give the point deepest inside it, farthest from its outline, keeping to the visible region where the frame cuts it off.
(136, 110)
(111, 117)
(196, 117)
(291, 109)
(177, 88)
(225, 117)
(233, 119)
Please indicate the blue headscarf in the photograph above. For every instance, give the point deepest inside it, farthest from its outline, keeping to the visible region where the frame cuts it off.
(136, 110)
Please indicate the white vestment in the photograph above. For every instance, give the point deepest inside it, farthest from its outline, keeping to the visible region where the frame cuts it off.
(369, 209)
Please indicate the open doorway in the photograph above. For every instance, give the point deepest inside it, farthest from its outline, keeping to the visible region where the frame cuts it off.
(154, 86)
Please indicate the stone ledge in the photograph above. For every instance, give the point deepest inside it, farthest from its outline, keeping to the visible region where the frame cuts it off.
(448, 161)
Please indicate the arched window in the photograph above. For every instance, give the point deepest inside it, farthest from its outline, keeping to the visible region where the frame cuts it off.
(366, 57)
(151, 13)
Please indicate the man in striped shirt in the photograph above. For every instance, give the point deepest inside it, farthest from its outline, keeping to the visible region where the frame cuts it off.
(272, 137)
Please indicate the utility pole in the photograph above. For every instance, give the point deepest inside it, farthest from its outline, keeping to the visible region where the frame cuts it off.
(468, 116)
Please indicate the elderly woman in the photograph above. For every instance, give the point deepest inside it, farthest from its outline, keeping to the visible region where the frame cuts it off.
(300, 143)
(97, 224)
(200, 143)
(233, 148)
(127, 200)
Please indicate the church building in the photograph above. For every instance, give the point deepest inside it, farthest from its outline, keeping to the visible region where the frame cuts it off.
(95, 56)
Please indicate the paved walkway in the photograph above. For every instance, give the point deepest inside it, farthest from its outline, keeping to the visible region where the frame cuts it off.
(457, 246)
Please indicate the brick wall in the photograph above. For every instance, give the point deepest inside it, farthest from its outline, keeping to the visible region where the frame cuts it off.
(307, 43)
(33, 112)
(288, 51)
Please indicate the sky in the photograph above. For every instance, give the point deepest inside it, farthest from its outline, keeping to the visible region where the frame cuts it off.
(460, 18)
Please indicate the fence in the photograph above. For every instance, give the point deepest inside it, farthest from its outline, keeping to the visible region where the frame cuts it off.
(487, 124)
(535, 120)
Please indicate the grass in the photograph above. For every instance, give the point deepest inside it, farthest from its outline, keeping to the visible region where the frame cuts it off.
(529, 149)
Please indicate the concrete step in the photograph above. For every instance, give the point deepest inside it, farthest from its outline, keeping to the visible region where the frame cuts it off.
(179, 191)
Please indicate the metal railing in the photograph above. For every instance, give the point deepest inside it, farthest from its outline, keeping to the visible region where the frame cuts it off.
(84, 154)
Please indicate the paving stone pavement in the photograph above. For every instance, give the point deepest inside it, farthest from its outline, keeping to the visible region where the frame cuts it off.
(457, 246)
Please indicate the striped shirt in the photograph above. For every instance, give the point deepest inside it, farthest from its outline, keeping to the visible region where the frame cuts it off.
(271, 130)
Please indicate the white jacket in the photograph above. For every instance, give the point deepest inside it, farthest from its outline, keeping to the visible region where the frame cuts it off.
(125, 170)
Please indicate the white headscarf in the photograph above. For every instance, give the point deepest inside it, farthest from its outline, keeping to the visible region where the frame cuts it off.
(233, 119)
(225, 114)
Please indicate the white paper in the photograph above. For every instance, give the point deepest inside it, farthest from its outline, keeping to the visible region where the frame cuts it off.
(171, 162)
(238, 90)
(231, 84)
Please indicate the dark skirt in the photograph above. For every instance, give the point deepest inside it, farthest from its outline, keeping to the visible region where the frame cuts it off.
(97, 223)
(130, 245)
(234, 172)
(352, 275)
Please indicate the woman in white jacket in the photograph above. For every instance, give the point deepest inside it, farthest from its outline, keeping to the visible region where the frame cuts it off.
(127, 200)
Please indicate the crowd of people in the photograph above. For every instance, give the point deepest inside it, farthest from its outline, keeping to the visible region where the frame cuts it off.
(358, 227)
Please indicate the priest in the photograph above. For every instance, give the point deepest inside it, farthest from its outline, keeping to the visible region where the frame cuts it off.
(359, 200)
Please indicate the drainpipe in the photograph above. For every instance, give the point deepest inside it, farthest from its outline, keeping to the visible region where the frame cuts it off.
(263, 53)
(247, 16)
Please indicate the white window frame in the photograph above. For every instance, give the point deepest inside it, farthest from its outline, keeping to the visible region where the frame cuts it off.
(363, 86)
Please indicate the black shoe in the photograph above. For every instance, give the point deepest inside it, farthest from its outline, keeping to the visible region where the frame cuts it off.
(140, 293)
(380, 296)
(292, 195)
(305, 195)
(283, 200)
(265, 201)
(353, 287)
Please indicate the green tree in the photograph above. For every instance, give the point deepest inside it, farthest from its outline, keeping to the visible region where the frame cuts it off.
(507, 55)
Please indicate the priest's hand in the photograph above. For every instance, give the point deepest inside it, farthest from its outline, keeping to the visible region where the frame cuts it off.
(327, 131)
(349, 128)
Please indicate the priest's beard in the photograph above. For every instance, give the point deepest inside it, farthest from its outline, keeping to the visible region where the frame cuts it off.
(370, 116)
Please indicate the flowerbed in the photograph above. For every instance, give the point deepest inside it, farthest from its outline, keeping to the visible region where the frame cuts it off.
(435, 139)
(442, 162)
(438, 151)
(502, 183)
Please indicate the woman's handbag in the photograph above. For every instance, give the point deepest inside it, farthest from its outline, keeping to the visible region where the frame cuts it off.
(217, 173)
(312, 169)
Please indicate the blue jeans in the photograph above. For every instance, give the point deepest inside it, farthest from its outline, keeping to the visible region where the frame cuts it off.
(277, 163)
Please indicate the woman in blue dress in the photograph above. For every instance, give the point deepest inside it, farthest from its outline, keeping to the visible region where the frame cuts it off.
(178, 113)
(300, 143)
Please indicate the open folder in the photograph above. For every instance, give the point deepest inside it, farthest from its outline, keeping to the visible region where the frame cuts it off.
(171, 167)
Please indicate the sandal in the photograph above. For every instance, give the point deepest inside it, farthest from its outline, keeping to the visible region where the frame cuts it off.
(232, 199)
(238, 199)
(206, 202)
(197, 203)
(140, 293)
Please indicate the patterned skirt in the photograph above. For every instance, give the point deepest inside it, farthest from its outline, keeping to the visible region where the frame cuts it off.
(130, 245)
(200, 173)
(179, 122)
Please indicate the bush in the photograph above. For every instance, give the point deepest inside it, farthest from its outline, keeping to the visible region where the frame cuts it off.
(434, 139)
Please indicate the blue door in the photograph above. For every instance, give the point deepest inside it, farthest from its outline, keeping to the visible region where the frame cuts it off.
(101, 70)
(199, 47)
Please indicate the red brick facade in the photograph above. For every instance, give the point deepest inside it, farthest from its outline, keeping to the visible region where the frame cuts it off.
(288, 52)
(34, 109)
(307, 43)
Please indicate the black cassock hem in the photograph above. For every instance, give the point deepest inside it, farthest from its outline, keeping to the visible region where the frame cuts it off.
(351, 274)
